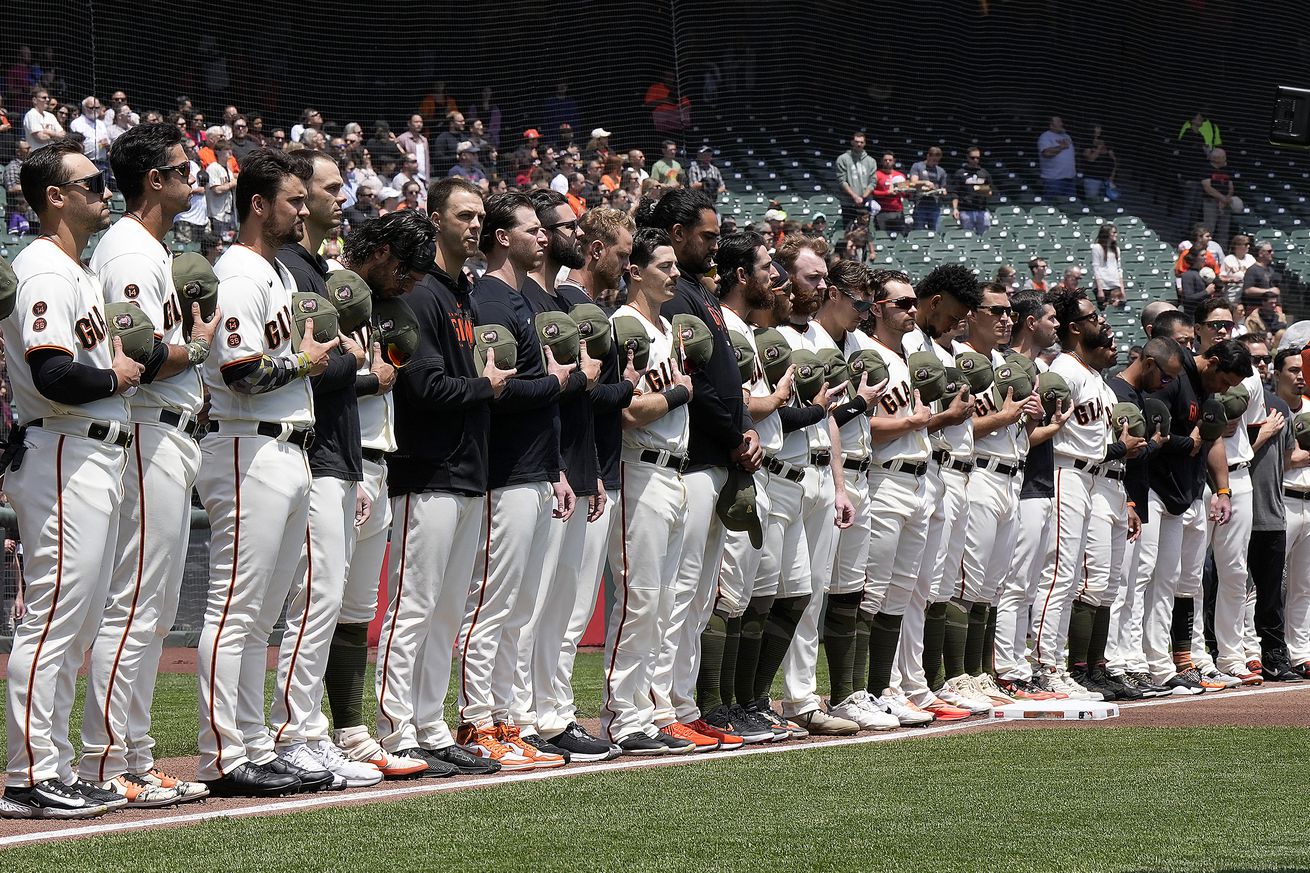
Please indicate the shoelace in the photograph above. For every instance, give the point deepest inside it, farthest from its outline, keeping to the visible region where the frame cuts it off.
(54, 786)
(332, 756)
(494, 741)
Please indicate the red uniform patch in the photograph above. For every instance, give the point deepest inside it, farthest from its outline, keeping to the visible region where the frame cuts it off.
(234, 339)
(131, 292)
(39, 307)
(232, 323)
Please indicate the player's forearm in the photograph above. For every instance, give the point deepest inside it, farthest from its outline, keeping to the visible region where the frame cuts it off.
(645, 409)
(987, 424)
(886, 430)
(426, 382)
(761, 408)
(265, 374)
(611, 396)
(522, 393)
(1217, 460)
(849, 410)
(340, 373)
(794, 418)
(61, 379)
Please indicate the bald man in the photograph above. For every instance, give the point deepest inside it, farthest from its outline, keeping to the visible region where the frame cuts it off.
(1151, 312)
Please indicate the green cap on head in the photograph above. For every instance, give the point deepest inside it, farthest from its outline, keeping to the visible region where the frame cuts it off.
(1214, 419)
(559, 333)
(1235, 401)
(129, 323)
(593, 328)
(774, 353)
(1157, 415)
(810, 374)
(1128, 414)
(8, 288)
(395, 329)
(500, 340)
(1301, 429)
(866, 362)
(1010, 377)
(928, 376)
(353, 299)
(745, 354)
(194, 279)
(306, 305)
(631, 338)
(693, 339)
(1054, 392)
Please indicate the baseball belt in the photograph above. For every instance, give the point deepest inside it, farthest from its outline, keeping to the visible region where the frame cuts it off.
(302, 437)
(1240, 465)
(188, 424)
(914, 468)
(820, 459)
(375, 456)
(996, 465)
(790, 472)
(944, 459)
(1296, 495)
(668, 460)
(861, 466)
(112, 432)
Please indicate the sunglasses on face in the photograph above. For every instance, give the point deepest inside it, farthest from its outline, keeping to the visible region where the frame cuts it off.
(94, 183)
(183, 169)
(1220, 324)
(861, 306)
(1096, 315)
(571, 224)
(905, 303)
(999, 311)
(1262, 359)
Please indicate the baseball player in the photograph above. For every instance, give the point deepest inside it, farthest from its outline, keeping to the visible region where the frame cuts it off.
(254, 481)
(134, 266)
(437, 479)
(336, 469)
(526, 492)
(66, 461)
(721, 433)
(646, 546)
(1289, 378)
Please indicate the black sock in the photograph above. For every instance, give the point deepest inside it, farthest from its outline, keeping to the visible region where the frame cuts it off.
(975, 638)
(860, 662)
(748, 647)
(884, 634)
(1184, 612)
(934, 640)
(957, 633)
(779, 629)
(343, 678)
(839, 620)
(989, 642)
(1080, 633)
(728, 669)
(1100, 636)
(713, 640)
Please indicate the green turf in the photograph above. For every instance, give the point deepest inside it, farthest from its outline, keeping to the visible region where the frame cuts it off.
(1039, 800)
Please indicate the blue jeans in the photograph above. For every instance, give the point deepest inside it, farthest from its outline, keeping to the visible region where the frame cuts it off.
(1058, 187)
(928, 215)
(976, 221)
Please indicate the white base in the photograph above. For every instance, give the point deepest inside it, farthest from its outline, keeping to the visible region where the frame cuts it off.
(1066, 710)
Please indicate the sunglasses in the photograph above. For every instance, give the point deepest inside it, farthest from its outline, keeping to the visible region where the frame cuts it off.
(571, 224)
(1220, 324)
(183, 169)
(999, 311)
(861, 306)
(1096, 315)
(94, 183)
(905, 303)
(1262, 359)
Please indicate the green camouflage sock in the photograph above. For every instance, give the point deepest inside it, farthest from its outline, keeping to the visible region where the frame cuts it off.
(713, 640)
(839, 642)
(884, 634)
(934, 640)
(957, 634)
(1080, 633)
(748, 647)
(779, 629)
(975, 638)
(343, 678)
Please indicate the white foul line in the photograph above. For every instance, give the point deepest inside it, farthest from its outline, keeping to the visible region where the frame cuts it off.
(306, 802)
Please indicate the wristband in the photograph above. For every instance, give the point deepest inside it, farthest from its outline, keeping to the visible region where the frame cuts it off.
(303, 364)
(1227, 492)
(197, 351)
(675, 396)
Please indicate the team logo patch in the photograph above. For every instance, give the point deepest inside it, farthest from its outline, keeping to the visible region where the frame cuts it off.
(857, 365)
(551, 331)
(921, 374)
(740, 353)
(192, 291)
(234, 340)
(39, 324)
(772, 353)
(490, 336)
(686, 334)
(806, 371)
(387, 325)
(131, 292)
(1300, 427)
(966, 364)
(39, 307)
(1049, 395)
(585, 329)
(630, 345)
(232, 323)
(1004, 373)
(309, 306)
(123, 322)
(345, 292)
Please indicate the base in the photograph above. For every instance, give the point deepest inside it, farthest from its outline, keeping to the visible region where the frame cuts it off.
(1065, 710)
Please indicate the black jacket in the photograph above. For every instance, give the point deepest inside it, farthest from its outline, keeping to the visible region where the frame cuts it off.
(1176, 477)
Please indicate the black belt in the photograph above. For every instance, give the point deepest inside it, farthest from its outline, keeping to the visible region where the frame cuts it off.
(1296, 495)
(944, 459)
(173, 419)
(1240, 465)
(820, 459)
(915, 470)
(778, 468)
(997, 466)
(376, 456)
(663, 459)
(98, 430)
(300, 437)
(1116, 475)
(856, 466)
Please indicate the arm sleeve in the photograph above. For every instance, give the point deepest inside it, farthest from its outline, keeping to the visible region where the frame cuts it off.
(611, 396)
(63, 380)
(340, 372)
(848, 411)
(796, 417)
(366, 385)
(1116, 451)
(157, 358)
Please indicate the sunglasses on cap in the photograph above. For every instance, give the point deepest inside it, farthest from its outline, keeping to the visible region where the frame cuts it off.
(94, 183)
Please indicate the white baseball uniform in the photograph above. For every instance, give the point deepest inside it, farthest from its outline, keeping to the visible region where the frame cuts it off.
(151, 550)
(255, 489)
(1107, 526)
(1296, 499)
(66, 492)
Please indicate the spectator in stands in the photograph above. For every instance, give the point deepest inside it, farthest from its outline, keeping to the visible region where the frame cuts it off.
(119, 116)
(1037, 269)
(382, 141)
(488, 112)
(230, 116)
(637, 163)
(703, 174)
(1217, 188)
(1072, 279)
(478, 136)
(1193, 289)
(930, 182)
(1134, 354)
(22, 76)
(667, 170)
(445, 151)
(310, 118)
(856, 172)
(1200, 132)
(564, 169)
(889, 193)
(278, 139)
(242, 142)
(1214, 255)
(212, 247)
(527, 154)
(21, 218)
(857, 243)
(1235, 266)
(599, 144)
(1107, 268)
(194, 222)
(1099, 167)
(365, 207)
(971, 188)
(466, 167)
(564, 141)
(196, 128)
(437, 103)
(577, 193)
(1057, 160)
(1007, 277)
(219, 197)
(612, 174)
(1261, 273)
(411, 197)
(1267, 317)
(40, 126)
(414, 142)
(314, 140)
(409, 173)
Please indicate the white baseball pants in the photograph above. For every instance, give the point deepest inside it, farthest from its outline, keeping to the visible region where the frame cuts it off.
(801, 663)
(1230, 542)
(1180, 556)
(1058, 586)
(1033, 556)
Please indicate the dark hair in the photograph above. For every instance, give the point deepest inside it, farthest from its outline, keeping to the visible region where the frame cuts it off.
(879, 279)
(736, 250)
(953, 280)
(136, 152)
(1255, 337)
(43, 168)
(1209, 306)
(1026, 304)
(992, 288)
(262, 173)
(1162, 348)
(644, 243)
(439, 194)
(1194, 257)
(408, 233)
(545, 201)
(1103, 239)
(680, 206)
(1281, 356)
(1066, 302)
(210, 241)
(847, 275)
(303, 161)
(645, 211)
(1166, 321)
(1033, 262)
(1230, 356)
(501, 215)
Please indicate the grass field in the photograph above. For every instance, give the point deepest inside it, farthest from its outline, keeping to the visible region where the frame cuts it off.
(1039, 800)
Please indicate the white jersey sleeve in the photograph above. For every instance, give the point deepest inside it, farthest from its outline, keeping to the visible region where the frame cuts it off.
(377, 413)
(671, 431)
(770, 427)
(1238, 446)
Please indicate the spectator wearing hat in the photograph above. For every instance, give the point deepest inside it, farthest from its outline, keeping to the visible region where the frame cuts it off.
(667, 170)
(466, 166)
(565, 140)
(414, 142)
(444, 150)
(929, 181)
(526, 154)
(776, 219)
(599, 145)
(703, 174)
(889, 193)
(971, 188)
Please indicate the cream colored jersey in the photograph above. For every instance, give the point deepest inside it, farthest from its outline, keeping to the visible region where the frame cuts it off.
(1002, 443)
(377, 414)
(59, 305)
(1083, 435)
(671, 431)
(1297, 477)
(255, 298)
(898, 402)
(797, 445)
(769, 428)
(855, 443)
(134, 267)
(958, 438)
(1238, 446)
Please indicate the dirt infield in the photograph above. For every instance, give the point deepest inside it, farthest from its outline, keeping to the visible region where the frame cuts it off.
(1269, 706)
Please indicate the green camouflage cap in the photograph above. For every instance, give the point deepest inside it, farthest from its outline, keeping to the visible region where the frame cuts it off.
(353, 299)
(194, 279)
(1235, 400)
(694, 339)
(1157, 415)
(8, 288)
(631, 338)
(1054, 391)
(395, 329)
(976, 368)
(129, 323)
(501, 340)
(1214, 419)
(834, 366)
(306, 305)
(1022, 361)
(866, 362)
(736, 506)
(928, 376)
(810, 374)
(559, 333)
(1301, 429)
(775, 354)
(1011, 377)
(745, 353)
(593, 328)
(1129, 414)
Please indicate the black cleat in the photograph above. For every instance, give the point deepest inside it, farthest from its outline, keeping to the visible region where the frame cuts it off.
(643, 746)
(96, 794)
(437, 768)
(547, 748)
(675, 745)
(253, 780)
(310, 780)
(48, 798)
(580, 745)
(465, 762)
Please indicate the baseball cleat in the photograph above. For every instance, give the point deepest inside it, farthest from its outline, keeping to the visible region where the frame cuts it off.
(94, 793)
(1099, 691)
(1022, 689)
(48, 798)
(1120, 689)
(433, 768)
(762, 709)
(727, 741)
(702, 741)
(530, 747)
(1302, 669)
(1182, 684)
(464, 761)
(358, 745)
(994, 694)
(139, 793)
(186, 791)
(859, 709)
(642, 746)
(749, 730)
(905, 712)
(966, 687)
(943, 711)
(825, 724)
(1143, 683)
(298, 761)
(345, 772)
(253, 780)
(1213, 677)
(580, 745)
(752, 725)
(675, 745)
(485, 742)
(972, 704)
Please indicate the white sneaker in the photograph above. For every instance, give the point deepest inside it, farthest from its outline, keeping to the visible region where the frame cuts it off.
(966, 686)
(1055, 680)
(1091, 695)
(851, 709)
(907, 715)
(345, 772)
(1214, 674)
(865, 702)
(300, 755)
(987, 685)
(954, 698)
(140, 793)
